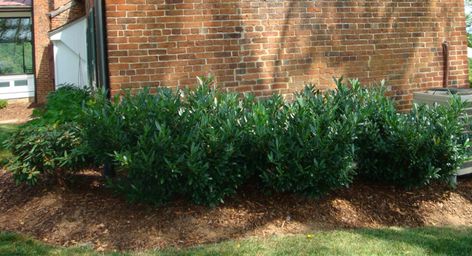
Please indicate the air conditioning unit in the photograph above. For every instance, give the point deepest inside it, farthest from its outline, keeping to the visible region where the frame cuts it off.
(442, 96)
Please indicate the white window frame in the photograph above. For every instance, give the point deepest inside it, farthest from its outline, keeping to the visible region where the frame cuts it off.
(17, 92)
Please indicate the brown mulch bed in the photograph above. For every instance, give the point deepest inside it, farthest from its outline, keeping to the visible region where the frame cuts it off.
(86, 212)
(16, 112)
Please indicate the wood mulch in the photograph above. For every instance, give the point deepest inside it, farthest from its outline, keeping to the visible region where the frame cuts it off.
(16, 112)
(87, 213)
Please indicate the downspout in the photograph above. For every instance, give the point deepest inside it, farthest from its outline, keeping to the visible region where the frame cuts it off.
(102, 66)
(102, 49)
(33, 46)
(445, 47)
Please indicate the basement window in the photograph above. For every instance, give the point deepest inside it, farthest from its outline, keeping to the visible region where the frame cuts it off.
(21, 83)
(16, 49)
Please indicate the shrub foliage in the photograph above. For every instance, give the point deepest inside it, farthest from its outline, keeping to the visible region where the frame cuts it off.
(310, 146)
(204, 144)
(52, 142)
(412, 149)
(405, 149)
(3, 104)
(63, 106)
(167, 144)
(51, 150)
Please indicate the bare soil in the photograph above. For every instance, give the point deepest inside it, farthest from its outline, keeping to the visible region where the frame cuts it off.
(16, 112)
(86, 212)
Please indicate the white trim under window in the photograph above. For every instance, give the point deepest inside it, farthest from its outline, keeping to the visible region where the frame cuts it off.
(16, 87)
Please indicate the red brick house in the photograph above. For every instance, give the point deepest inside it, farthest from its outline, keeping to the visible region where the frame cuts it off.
(44, 43)
(263, 46)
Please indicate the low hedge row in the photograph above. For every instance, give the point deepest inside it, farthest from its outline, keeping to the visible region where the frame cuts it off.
(52, 143)
(204, 144)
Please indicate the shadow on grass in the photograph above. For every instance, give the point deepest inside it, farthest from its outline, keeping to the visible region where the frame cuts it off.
(12, 244)
(433, 241)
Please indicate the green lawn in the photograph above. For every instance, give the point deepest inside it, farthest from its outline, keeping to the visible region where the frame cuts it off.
(393, 241)
(5, 131)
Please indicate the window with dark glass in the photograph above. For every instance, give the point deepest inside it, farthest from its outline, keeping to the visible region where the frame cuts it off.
(16, 49)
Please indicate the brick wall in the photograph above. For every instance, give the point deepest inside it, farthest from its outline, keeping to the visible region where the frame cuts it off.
(76, 11)
(43, 49)
(44, 80)
(270, 46)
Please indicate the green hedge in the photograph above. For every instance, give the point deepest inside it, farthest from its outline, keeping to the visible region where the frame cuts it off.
(53, 150)
(165, 145)
(52, 143)
(63, 106)
(412, 149)
(310, 146)
(205, 144)
(404, 149)
(139, 134)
